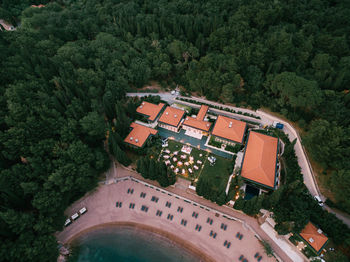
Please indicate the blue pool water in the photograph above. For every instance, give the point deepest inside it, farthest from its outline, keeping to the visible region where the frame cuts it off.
(181, 137)
(125, 244)
(251, 192)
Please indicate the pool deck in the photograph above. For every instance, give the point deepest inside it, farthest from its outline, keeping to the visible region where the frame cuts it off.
(102, 210)
(194, 142)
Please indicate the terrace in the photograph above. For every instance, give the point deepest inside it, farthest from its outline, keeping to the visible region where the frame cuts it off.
(184, 160)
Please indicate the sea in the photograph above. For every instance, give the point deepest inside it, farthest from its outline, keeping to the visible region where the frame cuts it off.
(127, 244)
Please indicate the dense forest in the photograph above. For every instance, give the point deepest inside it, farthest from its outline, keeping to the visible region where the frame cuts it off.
(66, 69)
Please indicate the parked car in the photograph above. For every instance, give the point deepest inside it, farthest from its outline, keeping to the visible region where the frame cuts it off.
(319, 201)
(75, 216)
(83, 210)
(277, 125)
(67, 223)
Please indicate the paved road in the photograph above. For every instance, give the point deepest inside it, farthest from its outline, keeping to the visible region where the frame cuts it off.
(266, 119)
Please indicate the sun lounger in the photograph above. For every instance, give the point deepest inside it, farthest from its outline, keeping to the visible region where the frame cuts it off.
(256, 255)
(241, 258)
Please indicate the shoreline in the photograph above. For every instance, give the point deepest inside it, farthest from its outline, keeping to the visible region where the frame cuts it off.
(169, 236)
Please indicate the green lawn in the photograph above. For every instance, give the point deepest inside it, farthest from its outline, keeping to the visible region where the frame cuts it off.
(196, 153)
(218, 174)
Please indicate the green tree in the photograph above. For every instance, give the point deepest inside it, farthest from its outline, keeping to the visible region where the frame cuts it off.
(340, 181)
(296, 91)
(324, 141)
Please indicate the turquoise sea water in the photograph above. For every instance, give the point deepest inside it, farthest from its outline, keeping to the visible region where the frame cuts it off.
(124, 244)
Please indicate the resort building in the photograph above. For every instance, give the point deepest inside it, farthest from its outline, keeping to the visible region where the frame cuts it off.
(171, 119)
(150, 111)
(229, 131)
(139, 135)
(197, 126)
(260, 163)
(314, 237)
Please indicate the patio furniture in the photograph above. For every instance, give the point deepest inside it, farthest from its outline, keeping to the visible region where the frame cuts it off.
(241, 257)
(167, 151)
(256, 255)
(191, 158)
(186, 149)
(174, 159)
(175, 153)
(167, 162)
(199, 162)
(183, 156)
(166, 156)
(259, 258)
(187, 164)
(183, 171)
(176, 170)
(240, 237)
(195, 167)
(237, 235)
(190, 170)
(179, 163)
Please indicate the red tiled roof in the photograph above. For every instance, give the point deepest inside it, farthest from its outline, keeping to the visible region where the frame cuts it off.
(38, 6)
(7, 26)
(202, 112)
(313, 236)
(150, 110)
(172, 116)
(198, 121)
(259, 162)
(230, 129)
(139, 134)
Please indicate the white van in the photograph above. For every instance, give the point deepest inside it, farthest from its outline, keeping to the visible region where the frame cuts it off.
(75, 216)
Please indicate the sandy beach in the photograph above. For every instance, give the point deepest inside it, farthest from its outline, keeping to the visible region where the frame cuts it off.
(102, 212)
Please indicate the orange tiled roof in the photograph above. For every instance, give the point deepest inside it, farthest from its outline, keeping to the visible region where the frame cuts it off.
(229, 128)
(198, 122)
(313, 236)
(172, 116)
(139, 134)
(150, 110)
(259, 162)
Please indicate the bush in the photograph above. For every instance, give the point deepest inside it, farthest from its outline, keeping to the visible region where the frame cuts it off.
(234, 149)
